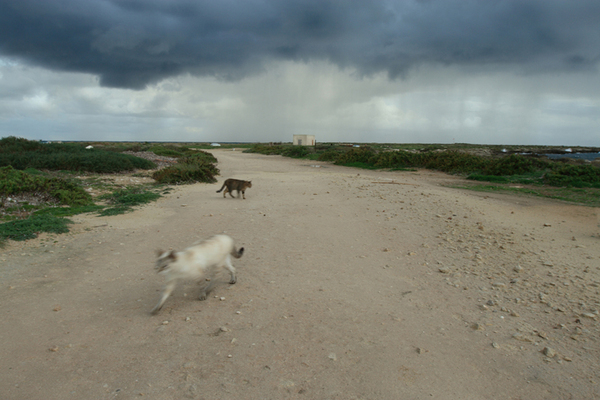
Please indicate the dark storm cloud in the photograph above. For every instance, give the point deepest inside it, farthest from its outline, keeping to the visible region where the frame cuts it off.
(131, 43)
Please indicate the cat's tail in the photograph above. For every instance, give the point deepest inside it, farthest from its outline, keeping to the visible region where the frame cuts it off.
(219, 191)
(237, 253)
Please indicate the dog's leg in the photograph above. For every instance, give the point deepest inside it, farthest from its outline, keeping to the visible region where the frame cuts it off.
(231, 270)
(165, 294)
(204, 289)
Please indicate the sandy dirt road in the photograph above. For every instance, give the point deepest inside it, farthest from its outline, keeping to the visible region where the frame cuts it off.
(351, 287)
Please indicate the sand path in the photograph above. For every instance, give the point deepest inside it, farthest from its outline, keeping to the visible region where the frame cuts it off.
(351, 287)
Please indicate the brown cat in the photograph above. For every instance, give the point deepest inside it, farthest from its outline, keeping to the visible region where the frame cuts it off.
(235, 184)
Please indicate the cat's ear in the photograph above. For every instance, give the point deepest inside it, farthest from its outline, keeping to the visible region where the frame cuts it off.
(172, 255)
(158, 252)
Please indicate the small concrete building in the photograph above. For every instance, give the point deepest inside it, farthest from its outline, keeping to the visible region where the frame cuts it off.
(304, 140)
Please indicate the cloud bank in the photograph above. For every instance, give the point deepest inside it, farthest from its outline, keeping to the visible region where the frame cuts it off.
(133, 43)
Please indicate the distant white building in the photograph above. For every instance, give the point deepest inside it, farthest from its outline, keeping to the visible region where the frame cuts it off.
(304, 140)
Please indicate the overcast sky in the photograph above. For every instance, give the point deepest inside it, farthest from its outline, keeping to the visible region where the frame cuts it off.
(414, 71)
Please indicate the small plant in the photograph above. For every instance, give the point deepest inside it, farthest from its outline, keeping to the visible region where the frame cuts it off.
(13, 182)
(295, 151)
(22, 154)
(124, 200)
(264, 149)
(29, 228)
(198, 157)
(187, 173)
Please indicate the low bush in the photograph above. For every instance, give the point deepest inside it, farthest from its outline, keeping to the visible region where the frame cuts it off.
(329, 155)
(198, 157)
(23, 154)
(574, 176)
(29, 228)
(363, 155)
(14, 182)
(264, 149)
(187, 173)
(124, 200)
(514, 164)
(295, 151)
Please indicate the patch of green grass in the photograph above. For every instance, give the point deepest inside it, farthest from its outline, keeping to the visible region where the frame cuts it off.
(295, 151)
(29, 228)
(23, 154)
(14, 182)
(588, 196)
(69, 211)
(358, 164)
(187, 173)
(124, 200)
(266, 149)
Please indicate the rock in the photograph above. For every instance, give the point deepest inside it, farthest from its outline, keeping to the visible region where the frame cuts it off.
(518, 268)
(588, 315)
(549, 352)
(478, 327)
(444, 270)
(165, 323)
(522, 338)
(499, 284)
(547, 264)
(495, 345)
(332, 356)
(224, 329)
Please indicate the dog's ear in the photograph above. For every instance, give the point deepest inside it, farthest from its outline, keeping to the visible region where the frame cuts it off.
(241, 251)
(172, 255)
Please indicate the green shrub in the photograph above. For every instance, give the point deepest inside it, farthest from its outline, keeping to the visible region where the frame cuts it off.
(514, 164)
(363, 155)
(187, 173)
(124, 200)
(13, 182)
(329, 155)
(166, 152)
(29, 228)
(574, 176)
(23, 154)
(198, 157)
(263, 149)
(295, 151)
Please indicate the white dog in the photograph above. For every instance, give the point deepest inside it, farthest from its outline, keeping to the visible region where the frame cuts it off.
(199, 262)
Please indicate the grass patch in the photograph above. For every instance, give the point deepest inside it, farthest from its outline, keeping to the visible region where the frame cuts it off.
(588, 196)
(187, 173)
(29, 228)
(24, 154)
(358, 164)
(14, 182)
(123, 201)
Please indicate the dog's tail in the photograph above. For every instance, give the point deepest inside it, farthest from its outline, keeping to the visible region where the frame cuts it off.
(237, 253)
(218, 191)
